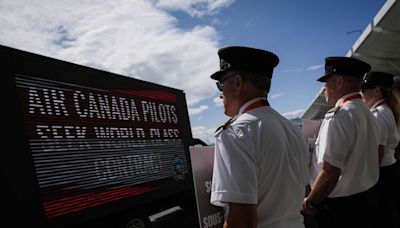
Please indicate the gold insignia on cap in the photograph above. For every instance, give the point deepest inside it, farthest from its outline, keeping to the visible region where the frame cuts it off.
(224, 64)
(330, 69)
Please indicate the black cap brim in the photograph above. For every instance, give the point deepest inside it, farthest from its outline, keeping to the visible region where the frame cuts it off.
(323, 78)
(217, 75)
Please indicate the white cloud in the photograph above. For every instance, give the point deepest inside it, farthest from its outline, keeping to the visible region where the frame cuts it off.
(198, 110)
(195, 8)
(294, 114)
(218, 102)
(316, 67)
(205, 134)
(293, 70)
(310, 68)
(217, 22)
(132, 38)
(276, 95)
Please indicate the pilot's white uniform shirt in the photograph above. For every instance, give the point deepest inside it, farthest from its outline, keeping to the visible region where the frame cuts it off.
(388, 133)
(348, 140)
(261, 158)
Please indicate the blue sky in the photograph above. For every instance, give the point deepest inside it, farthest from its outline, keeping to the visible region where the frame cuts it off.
(175, 42)
(301, 33)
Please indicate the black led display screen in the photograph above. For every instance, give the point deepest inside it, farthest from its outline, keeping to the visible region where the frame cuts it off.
(92, 145)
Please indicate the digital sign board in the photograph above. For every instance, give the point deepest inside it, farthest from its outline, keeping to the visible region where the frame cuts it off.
(93, 142)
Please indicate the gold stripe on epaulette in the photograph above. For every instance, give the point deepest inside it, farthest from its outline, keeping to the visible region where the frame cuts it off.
(334, 109)
(223, 126)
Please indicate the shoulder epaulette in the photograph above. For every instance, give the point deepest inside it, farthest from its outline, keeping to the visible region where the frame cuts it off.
(223, 126)
(333, 110)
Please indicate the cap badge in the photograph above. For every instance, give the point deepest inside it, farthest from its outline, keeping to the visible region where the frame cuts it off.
(224, 64)
(365, 77)
(330, 69)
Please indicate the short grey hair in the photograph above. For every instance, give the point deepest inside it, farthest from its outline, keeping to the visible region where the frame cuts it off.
(260, 81)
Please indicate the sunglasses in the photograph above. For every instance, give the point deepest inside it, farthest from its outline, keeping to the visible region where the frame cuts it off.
(220, 83)
(220, 86)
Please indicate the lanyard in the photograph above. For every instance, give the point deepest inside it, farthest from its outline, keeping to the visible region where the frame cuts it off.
(256, 104)
(355, 96)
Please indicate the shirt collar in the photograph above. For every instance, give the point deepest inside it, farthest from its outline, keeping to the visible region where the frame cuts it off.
(378, 103)
(249, 103)
(344, 97)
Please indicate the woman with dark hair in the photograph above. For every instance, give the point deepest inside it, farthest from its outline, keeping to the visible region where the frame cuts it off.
(378, 95)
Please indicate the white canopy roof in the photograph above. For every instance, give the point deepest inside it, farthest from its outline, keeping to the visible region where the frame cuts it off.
(378, 45)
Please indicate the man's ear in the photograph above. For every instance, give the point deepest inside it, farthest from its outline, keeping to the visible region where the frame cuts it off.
(238, 80)
(238, 84)
(339, 81)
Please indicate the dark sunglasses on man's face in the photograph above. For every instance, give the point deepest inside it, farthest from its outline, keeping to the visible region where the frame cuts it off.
(220, 83)
(220, 86)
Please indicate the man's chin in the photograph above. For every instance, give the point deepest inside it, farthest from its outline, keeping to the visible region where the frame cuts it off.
(328, 101)
(228, 114)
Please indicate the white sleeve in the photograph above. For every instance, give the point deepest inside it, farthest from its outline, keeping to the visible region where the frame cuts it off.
(382, 128)
(339, 138)
(235, 171)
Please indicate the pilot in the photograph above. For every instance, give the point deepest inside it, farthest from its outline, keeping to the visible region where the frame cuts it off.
(344, 166)
(260, 164)
(378, 95)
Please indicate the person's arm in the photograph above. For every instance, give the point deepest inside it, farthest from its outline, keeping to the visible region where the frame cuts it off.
(381, 151)
(241, 216)
(324, 185)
